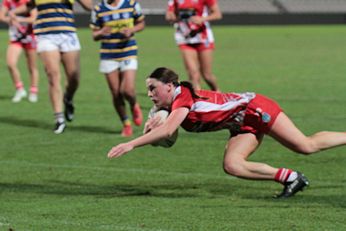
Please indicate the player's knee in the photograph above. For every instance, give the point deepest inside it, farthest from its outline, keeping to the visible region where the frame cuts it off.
(128, 92)
(307, 148)
(194, 74)
(207, 75)
(52, 73)
(11, 66)
(115, 93)
(232, 168)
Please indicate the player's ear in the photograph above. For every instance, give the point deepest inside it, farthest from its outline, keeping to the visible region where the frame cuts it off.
(170, 87)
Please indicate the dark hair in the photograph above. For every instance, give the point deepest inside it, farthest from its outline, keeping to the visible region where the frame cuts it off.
(166, 75)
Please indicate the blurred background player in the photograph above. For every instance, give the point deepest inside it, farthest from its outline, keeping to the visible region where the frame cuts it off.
(21, 38)
(57, 42)
(248, 117)
(194, 37)
(114, 23)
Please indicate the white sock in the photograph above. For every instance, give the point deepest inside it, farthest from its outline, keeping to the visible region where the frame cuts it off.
(292, 176)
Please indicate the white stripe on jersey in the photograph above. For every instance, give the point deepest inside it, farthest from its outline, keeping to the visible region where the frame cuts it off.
(208, 107)
(202, 106)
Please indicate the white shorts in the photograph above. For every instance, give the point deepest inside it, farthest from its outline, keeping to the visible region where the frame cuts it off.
(108, 66)
(64, 42)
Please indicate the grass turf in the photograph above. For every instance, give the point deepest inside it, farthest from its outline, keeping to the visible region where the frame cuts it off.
(65, 182)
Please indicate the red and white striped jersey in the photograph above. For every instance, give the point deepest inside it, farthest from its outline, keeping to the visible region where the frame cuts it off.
(213, 111)
(184, 27)
(24, 33)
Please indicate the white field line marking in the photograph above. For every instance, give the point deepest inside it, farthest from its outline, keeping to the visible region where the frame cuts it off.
(117, 169)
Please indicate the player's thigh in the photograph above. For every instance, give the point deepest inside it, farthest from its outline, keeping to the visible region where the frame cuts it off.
(71, 62)
(51, 62)
(31, 57)
(284, 131)
(191, 61)
(206, 60)
(128, 80)
(113, 81)
(13, 54)
(241, 146)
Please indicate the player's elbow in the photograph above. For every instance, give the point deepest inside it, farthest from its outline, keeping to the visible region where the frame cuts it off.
(2, 18)
(168, 133)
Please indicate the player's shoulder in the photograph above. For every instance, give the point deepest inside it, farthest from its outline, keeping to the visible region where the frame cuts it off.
(98, 6)
(101, 7)
(6, 3)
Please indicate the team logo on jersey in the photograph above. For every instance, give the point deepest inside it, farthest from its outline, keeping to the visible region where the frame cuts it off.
(266, 117)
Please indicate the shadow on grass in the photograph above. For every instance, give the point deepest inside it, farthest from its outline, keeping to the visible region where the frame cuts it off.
(175, 190)
(5, 97)
(49, 126)
(92, 129)
(25, 122)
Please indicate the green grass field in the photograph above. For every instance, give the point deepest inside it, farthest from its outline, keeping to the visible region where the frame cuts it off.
(65, 182)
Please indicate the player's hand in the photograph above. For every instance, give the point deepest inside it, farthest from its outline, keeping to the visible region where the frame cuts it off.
(197, 20)
(127, 32)
(11, 15)
(106, 30)
(119, 150)
(171, 17)
(152, 123)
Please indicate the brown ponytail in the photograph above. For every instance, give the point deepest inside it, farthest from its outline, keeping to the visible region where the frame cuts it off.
(192, 90)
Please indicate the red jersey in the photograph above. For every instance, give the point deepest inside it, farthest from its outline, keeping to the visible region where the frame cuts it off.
(187, 32)
(213, 111)
(24, 34)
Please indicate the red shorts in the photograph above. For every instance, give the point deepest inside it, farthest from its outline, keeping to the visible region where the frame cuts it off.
(197, 47)
(26, 46)
(260, 115)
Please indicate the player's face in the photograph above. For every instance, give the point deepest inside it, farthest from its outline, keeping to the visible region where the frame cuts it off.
(160, 93)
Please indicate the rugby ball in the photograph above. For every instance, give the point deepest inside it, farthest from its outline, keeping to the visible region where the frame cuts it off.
(163, 114)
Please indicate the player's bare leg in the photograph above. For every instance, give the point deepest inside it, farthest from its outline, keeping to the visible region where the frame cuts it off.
(238, 149)
(284, 131)
(128, 90)
(12, 57)
(51, 61)
(113, 80)
(31, 57)
(206, 61)
(192, 67)
(71, 63)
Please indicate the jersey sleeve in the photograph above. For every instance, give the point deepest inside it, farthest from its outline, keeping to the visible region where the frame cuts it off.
(95, 21)
(210, 3)
(137, 13)
(171, 6)
(6, 4)
(183, 99)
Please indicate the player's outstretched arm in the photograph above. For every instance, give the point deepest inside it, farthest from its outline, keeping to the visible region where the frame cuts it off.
(163, 131)
(3, 15)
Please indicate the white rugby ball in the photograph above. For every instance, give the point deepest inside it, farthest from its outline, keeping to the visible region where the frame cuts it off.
(168, 142)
